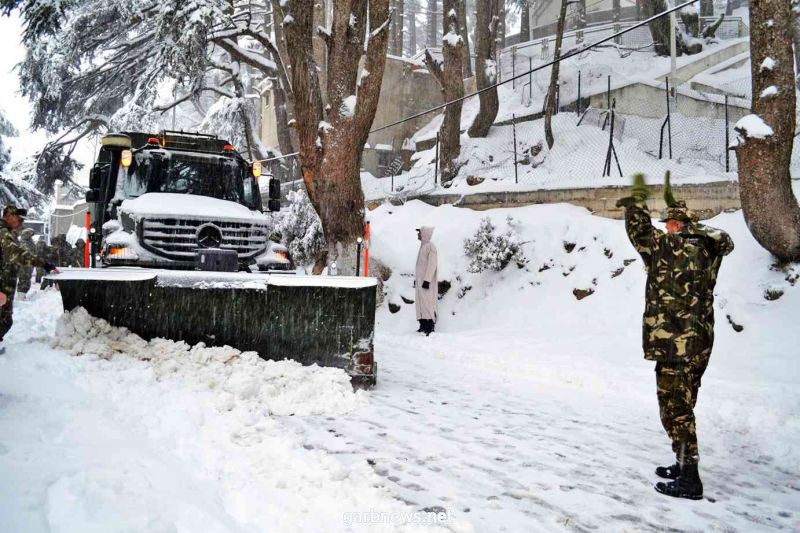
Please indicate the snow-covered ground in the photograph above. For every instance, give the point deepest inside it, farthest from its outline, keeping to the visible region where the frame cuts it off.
(528, 409)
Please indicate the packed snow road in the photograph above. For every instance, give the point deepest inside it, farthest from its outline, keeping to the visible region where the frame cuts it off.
(469, 431)
(497, 430)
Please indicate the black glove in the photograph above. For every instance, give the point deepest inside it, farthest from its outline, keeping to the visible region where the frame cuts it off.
(426, 285)
(49, 267)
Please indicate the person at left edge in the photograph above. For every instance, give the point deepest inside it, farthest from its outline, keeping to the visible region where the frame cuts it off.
(13, 256)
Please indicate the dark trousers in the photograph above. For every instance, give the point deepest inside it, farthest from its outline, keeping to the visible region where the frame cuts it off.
(678, 385)
(6, 313)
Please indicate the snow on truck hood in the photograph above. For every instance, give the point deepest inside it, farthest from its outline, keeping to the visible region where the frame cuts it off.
(189, 206)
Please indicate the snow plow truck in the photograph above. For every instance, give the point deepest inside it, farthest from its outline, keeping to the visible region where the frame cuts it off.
(181, 249)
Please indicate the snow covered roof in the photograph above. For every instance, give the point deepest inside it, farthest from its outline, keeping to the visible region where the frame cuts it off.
(414, 61)
(384, 147)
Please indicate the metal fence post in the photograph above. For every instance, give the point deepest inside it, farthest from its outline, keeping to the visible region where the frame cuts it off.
(727, 138)
(530, 79)
(669, 123)
(514, 132)
(513, 67)
(436, 167)
(579, 94)
(608, 93)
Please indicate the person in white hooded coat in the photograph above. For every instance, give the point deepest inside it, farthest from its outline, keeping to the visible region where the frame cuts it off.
(426, 281)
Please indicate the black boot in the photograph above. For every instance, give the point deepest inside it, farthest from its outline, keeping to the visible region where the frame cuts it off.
(688, 484)
(669, 472)
(427, 327)
(421, 326)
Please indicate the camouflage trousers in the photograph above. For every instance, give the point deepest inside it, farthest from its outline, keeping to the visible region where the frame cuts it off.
(24, 283)
(6, 313)
(678, 385)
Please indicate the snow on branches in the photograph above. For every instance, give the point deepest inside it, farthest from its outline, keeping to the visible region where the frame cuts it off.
(489, 250)
(301, 229)
(7, 129)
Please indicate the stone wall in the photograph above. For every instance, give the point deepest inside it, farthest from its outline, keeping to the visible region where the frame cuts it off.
(707, 199)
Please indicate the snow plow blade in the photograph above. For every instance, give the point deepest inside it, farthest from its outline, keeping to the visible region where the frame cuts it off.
(328, 321)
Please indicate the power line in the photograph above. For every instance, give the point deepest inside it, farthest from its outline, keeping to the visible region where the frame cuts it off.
(521, 75)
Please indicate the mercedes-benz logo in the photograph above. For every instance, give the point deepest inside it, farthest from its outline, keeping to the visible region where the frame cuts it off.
(209, 236)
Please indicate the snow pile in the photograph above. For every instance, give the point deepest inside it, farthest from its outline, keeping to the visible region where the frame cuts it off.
(239, 379)
(125, 444)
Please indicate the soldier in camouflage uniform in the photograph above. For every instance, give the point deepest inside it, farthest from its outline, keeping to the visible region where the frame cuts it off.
(79, 253)
(678, 325)
(26, 273)
(14, 256)
(62, 251)
(41, 250)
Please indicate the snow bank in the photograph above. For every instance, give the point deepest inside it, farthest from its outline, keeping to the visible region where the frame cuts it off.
(239, 379)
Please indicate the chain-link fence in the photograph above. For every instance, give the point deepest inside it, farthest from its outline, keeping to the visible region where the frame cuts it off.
(617, 113)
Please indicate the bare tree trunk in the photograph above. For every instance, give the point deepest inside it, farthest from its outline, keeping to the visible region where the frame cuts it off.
(332, 137)
(399, 36)
(691, 21)
(432, 24)
(391, 50)
(412, 27)
(501, 24)
(464, 33)
(485, 67)
(796, 39)
(525, 22)
(728, 8)
(706, 8)
(615, 15)
(449, 77)
(580, 21)
(769, 205)
(284, 104)
(659, 28)
(550, 106)
(711, 31)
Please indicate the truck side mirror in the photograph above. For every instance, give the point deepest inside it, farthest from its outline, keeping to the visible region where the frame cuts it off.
(93, 196)
(274, 203)
(95, 177)
(274, 189)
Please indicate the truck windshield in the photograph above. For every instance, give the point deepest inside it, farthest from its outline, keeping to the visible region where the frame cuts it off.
(186, 173)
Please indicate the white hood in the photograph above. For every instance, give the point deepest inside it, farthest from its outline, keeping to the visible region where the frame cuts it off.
(160, 204)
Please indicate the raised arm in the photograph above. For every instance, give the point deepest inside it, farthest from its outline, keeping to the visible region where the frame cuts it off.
(638, 224)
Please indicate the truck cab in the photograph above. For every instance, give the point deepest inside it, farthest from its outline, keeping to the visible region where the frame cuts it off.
(162, 200)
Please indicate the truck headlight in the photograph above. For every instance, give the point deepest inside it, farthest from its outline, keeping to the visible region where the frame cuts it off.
(121, 252)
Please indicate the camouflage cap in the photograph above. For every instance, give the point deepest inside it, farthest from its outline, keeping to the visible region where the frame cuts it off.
(27, 232)
(679, 211)
(14, 210)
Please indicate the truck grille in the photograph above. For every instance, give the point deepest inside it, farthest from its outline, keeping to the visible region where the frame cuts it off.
(178, 238)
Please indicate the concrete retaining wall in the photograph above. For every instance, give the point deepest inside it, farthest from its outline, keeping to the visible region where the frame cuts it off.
(708, 199)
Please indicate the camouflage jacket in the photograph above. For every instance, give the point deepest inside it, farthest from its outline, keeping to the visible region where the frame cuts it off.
(14, 255)
(681, 274)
